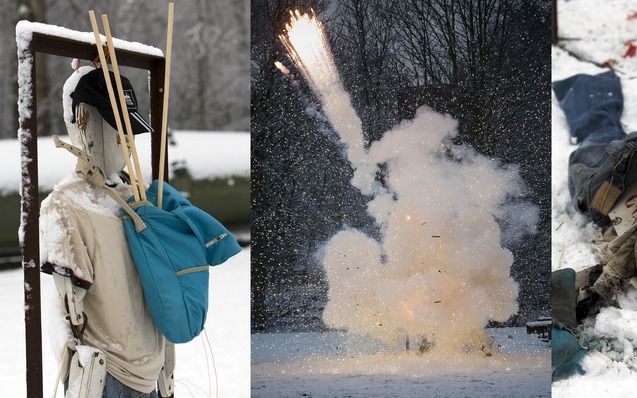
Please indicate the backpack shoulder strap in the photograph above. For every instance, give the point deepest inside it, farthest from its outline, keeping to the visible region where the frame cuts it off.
(95, 176)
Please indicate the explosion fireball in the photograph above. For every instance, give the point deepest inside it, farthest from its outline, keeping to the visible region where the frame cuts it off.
(439, 272)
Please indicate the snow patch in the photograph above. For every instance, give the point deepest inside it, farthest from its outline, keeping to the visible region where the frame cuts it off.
(600, 31)
(67, 90)
(339, 364)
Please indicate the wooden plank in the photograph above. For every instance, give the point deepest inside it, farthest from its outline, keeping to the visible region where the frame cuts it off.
(164, 120)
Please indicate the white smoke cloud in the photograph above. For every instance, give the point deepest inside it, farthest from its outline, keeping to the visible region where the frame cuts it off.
(439, 271)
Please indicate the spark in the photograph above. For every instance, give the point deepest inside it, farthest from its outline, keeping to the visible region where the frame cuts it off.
(308, 48)
(282, 68)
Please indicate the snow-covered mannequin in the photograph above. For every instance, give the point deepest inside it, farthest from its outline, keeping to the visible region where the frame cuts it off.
(84, 247)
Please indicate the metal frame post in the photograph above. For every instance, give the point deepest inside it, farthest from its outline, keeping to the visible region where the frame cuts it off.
(30, 246)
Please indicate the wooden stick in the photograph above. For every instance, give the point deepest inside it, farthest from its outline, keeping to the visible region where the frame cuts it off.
(164, 116)
(122, 101)
(111, 96)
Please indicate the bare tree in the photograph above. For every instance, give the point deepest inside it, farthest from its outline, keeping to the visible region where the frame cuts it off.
(364, 41)
(465, 45)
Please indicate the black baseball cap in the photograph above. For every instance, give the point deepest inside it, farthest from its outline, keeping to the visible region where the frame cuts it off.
(91, 90)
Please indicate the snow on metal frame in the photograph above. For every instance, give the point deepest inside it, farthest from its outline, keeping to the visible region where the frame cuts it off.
(25, 99)
(24, 31)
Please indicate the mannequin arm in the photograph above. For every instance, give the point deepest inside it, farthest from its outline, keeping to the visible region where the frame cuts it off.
(72, 296)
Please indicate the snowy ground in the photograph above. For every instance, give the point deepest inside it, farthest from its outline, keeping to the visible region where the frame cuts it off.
(333, 364)
(595, 31)
(206, 154)
(228, 329)
(600, 31)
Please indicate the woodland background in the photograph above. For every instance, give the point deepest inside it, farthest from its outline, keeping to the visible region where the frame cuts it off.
(210, 87)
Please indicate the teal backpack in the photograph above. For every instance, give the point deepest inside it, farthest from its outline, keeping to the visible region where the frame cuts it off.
(172, 248)
(172, 255)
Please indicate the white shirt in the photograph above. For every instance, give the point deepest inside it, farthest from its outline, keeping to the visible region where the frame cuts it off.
(83, 237)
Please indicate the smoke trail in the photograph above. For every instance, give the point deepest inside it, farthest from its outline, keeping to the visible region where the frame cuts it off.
(309, 50)
(439, 272)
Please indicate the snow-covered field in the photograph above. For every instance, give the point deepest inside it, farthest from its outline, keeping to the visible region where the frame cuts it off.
(335, 364)
(227, 325)
(206, 154)
(599, 31)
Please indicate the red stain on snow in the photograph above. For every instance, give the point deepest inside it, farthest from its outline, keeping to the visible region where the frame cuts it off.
(631, 49)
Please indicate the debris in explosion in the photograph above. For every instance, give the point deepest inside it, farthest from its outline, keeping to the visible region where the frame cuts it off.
(282, 68)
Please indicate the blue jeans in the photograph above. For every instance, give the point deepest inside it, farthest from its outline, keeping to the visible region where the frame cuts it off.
(115, 389)
(593, 107)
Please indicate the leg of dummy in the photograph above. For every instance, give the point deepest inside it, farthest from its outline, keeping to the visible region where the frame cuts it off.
(167, 376)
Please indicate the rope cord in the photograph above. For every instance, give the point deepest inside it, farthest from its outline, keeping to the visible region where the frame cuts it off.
(214, 366)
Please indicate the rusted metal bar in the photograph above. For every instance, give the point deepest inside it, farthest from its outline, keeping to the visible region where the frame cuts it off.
(31, 243)
(156, 108)
(553, 21)
(76, 49)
